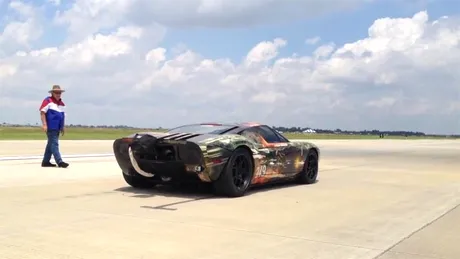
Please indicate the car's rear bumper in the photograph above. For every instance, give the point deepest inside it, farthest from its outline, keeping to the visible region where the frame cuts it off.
(190, 168)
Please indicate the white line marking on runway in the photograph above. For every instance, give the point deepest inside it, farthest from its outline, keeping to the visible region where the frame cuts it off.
(13, 158)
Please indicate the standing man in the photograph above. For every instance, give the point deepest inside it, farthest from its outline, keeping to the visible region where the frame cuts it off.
(53, 122)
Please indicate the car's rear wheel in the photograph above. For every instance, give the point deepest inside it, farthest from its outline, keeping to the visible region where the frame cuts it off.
(138, 181)
(309, 172)
(236, 176)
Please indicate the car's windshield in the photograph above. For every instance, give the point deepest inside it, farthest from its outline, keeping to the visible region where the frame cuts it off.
(201, 128)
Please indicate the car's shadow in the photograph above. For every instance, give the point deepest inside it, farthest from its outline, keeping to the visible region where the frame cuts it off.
(190, 191)
(194, 192)
(275, 186)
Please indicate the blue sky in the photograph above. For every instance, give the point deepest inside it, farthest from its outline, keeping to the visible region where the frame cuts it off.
(339, 27)
(234, 42)
(117, 57)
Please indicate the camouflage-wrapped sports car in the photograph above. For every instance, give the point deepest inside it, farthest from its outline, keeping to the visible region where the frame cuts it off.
(231, 157)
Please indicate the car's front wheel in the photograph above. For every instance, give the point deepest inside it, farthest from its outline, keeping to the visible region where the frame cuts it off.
(309, 172)
(236, 176)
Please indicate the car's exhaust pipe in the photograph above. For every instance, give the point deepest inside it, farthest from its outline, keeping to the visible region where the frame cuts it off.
(136, 165)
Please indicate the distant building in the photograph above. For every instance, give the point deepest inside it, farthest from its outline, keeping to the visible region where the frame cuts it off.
(309, 131)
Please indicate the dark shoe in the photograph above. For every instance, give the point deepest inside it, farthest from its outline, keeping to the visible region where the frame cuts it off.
(63, 164)
(48, 164)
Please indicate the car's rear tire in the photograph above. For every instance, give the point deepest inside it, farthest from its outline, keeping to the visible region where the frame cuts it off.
(138, 181)
(310, 168)
(236, 176)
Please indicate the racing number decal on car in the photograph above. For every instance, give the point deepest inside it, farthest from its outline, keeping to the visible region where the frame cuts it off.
(261, 170)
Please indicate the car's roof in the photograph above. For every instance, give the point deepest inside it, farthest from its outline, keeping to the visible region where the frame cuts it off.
(242, 124)
(237, 126)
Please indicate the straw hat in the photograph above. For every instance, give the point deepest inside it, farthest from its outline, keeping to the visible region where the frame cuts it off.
(56, 88)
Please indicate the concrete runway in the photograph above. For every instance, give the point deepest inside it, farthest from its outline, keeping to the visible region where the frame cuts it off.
(385, 199)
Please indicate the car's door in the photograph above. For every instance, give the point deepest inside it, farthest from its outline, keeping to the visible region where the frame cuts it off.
(277, 150)
(286, 153)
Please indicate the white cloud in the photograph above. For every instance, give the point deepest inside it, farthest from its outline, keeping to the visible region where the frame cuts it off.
(313, 41)
(22, 31)
(324, 51)
(55, 2)
(90, 15)
(265, 51)
(7, 70)
(404, 75)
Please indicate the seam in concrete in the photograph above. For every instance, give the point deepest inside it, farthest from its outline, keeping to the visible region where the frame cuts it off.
(422, 255)
(416, 231)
